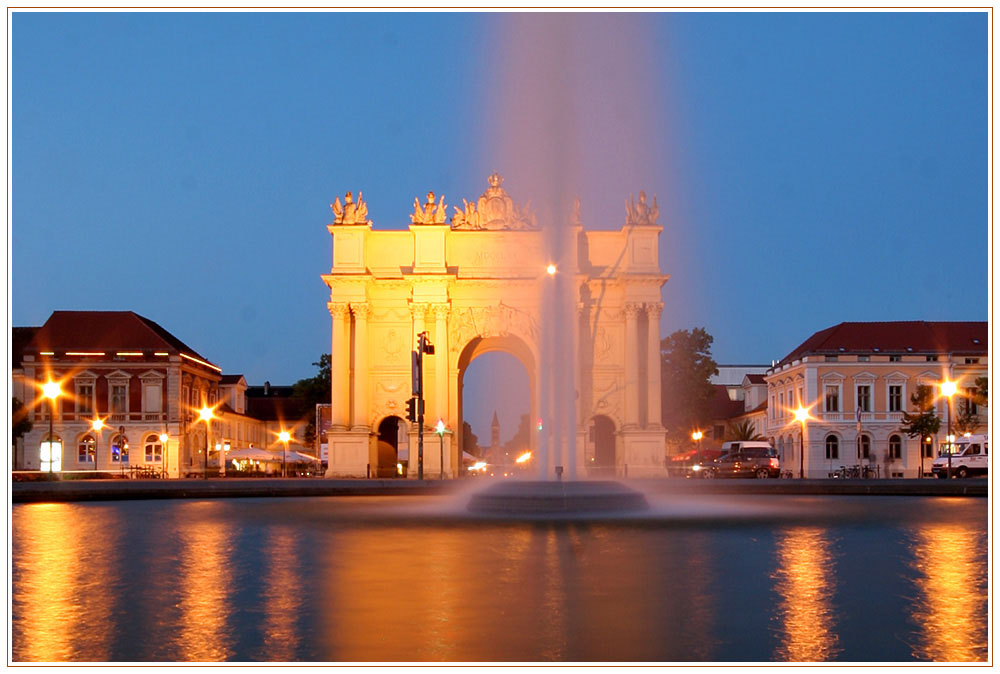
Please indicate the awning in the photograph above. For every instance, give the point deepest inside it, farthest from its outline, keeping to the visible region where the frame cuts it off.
(250, 454)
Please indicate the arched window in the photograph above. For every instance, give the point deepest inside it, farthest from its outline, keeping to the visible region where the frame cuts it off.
(927, 445)
(895, 447)
(119, 449)
(832, 447)
(85, 449)
(153, 449)
(866, 447)
(50, 453)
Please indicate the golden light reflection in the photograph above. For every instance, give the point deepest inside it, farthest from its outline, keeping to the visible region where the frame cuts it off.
(204, 605)
(804, 582)
(282, 587)
(952, 609)
(57, 597)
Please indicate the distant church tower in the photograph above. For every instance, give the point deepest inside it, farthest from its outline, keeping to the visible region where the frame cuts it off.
(495, 436)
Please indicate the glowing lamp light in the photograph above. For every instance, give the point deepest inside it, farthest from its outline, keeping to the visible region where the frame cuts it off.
(97, 424)
(439, 429)
(801, 414)
(51, 390)
(524, 457)
(539, 424)
(164, 437)
(697, 435)
(284, 436)
(205, 413)
(949, 389)
(551, 270)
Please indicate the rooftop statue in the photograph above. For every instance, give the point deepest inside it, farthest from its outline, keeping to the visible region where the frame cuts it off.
(493, 210)
(429, 214)
(350, 213)
(641, 213)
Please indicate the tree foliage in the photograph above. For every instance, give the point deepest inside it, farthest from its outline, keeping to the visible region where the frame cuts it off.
(981, 394)
(470, 442)
(923, 422)
(744, 430)
(314, 391)
(20, 423)
(687, 365)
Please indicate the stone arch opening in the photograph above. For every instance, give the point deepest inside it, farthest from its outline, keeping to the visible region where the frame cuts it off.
(389, 453)
(510, 345)
(603, 437)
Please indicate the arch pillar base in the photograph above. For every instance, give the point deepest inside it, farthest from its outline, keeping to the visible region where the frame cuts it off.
(349, 453)
(643, 453)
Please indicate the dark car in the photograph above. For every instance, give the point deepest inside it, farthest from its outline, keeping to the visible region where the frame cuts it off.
(759, 462)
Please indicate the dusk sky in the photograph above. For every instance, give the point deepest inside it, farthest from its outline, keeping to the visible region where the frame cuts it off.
(811, 168)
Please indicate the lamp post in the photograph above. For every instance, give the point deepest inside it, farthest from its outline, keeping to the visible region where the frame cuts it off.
(283, 436)
(439, 429)
(948, 389)
(801, 414)
(51, 390)
(97, 425)
(164, 439)
(205, 413)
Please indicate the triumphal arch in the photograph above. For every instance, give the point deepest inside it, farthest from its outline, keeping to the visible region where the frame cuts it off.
(471, 281)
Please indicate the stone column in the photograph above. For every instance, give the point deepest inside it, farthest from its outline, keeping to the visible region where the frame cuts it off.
(632, 365)
(340, 353)
(653, 416)
(360, 419)
(441, 362)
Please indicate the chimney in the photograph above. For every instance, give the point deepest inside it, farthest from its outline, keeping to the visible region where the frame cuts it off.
(267, 388)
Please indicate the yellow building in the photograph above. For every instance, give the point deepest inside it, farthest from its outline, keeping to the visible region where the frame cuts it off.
(861, 376)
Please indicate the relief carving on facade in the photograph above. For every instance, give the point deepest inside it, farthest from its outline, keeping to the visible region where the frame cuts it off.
(430, 213)
(392, 346)
(602, 345)
(493, 321)
(494, 210)
(641, 213)
(350, 213)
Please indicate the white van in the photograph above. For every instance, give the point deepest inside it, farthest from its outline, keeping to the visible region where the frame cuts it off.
(970, 457)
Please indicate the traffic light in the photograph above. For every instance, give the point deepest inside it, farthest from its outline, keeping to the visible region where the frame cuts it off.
(425, 346)
(411, 409)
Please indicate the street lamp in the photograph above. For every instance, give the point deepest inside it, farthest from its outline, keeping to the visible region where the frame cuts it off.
(284, 437)
(97, 425)
(948, 389)
(51, 390)
(164, 438)
(801, 414)
(439, 429)
(205, 413)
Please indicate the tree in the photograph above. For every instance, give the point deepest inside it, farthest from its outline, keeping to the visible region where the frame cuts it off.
(20, 423)
(745, 430)
(967, 420)
(470, 443)
(924, 422)
(314, 391)
(687, 392)
(981, 394)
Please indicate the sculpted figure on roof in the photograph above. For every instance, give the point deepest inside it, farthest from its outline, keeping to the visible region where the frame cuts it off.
(493, 210)
(641, 213)
(350, 213)
(431, 213)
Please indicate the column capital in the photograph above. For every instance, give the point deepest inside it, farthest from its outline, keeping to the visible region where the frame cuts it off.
(361, 310)
(654, 310)
(419, 309)
(338, 310)
(441, 310)
(631, 310)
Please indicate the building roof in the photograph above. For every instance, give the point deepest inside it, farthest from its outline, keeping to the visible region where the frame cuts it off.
(722, 406)
(896, 337)
(19, 339)
(276, 403)
(230, 379)
(756, 379)
(93, 331)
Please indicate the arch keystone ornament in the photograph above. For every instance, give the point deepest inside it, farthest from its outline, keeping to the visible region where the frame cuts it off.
(476, 285)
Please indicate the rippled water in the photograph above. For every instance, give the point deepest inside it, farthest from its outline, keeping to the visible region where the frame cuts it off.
(727, 579)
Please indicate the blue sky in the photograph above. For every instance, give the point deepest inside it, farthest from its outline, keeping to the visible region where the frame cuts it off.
(811, 168)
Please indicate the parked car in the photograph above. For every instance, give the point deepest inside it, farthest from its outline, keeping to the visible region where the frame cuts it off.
(970, 457)
(744, 459)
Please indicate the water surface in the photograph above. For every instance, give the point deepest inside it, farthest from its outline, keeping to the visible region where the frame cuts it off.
(698, 578)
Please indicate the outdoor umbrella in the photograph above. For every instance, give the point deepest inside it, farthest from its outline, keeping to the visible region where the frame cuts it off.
(251, 454)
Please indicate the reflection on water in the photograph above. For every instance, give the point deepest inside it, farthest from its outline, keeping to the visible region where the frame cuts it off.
(952, 581)
(803, 579)
(358, 580)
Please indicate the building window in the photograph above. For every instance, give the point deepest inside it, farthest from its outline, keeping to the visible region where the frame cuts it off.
(832, 398)
(119, 398)
(865, 398)
(895, 359)
(152, 396)
(971, 361)
(830, 359)
(928, 447)
(895, 398)
(84, 398)
(866, 447)
(895, 447)
(119, 449)
(85, 449)
(781, 403)
(832, 447)
(864, 359)
(932, 359)
(50, 453)
(970, 401)
(801, 397)
(154, 450)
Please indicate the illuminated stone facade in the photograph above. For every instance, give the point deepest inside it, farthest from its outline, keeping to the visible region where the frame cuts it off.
(473, 285)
